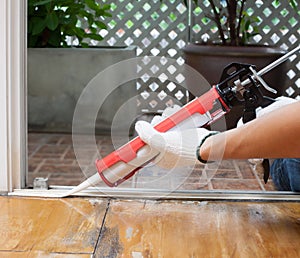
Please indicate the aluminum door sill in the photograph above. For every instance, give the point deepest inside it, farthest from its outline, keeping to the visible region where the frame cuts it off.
(160, 194)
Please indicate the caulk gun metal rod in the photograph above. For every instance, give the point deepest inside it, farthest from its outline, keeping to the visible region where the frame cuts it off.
(273, 64)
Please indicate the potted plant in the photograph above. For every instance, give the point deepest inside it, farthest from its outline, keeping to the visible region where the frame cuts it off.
(51, 23)
(63, 57)
(235, 26)
(232, 41)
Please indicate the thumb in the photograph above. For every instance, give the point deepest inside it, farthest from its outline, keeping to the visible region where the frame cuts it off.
(146, 131)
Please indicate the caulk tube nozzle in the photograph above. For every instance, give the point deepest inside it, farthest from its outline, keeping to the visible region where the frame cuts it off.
(114, 173)
(93, 180)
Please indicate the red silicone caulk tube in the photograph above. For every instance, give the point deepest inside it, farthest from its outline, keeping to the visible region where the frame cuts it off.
(124, 162)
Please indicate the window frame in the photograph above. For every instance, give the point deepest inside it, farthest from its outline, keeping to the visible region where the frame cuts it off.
(13, 108)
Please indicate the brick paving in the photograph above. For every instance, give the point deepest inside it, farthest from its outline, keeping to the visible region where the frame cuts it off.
(52, 156)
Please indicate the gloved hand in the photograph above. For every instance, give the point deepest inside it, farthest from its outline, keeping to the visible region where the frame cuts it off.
(176, 148)
(279, 103)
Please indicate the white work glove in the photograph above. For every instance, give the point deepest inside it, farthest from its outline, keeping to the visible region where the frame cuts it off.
(166, 113)
(279, 103)
(176, 148)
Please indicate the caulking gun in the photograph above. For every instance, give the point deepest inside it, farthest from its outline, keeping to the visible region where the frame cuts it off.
(240, 84)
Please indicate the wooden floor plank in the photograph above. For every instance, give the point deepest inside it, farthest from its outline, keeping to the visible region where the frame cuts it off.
(41, 254)
(201, 229)
(69, 226)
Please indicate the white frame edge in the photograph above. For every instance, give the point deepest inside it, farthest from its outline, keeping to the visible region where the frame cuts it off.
(13, 110)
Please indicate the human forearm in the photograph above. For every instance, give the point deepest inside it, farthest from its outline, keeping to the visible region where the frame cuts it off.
(274, 135)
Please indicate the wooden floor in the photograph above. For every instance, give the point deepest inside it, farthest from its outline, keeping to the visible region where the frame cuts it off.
(93, 227)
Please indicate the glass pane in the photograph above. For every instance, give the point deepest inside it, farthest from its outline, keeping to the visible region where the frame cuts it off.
(154, 29)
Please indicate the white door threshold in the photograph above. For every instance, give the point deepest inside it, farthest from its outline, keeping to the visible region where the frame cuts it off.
(159, 194)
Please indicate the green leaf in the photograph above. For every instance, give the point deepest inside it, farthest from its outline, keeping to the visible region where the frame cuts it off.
(106, 7)
(52, 21)
(32, 41)
(89, 17)
(38, 26)
(74, 9)
(49, 7)
(84, 44)
(79, 32)
(93, 30)
(73, 20)
(102, 13)
(107, 14)
(92, 4)
(82, 12)
(94, 36)
(55, 39)
(293, 4)
(69, 32)
(247, 24)
(100, 25)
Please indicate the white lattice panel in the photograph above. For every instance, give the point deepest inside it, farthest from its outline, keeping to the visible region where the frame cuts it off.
(157, 29)
(160, 28)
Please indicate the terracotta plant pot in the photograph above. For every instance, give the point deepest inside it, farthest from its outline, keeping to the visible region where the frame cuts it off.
(211, 60)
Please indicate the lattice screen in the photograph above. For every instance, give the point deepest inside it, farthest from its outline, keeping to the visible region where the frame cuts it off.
(157, 29)
(279, 25)
(160, 28)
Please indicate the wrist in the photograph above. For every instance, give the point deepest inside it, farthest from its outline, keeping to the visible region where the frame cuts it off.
(203, 149)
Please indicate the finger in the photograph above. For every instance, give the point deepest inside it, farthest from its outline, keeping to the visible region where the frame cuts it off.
(150, 136)
(170, 111)
(145, 131)
(156, 120)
